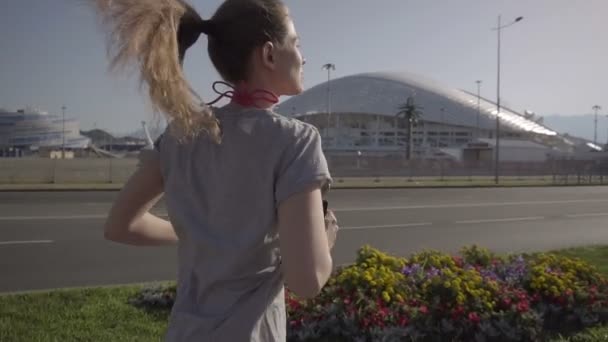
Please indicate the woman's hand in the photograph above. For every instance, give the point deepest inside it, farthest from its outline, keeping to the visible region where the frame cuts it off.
(331, 228)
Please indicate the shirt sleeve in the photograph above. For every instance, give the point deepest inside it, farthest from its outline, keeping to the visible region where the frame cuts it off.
(303, 164)
(150, 153)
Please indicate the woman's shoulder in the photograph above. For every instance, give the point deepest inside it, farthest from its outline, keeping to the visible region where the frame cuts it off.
(292, 127)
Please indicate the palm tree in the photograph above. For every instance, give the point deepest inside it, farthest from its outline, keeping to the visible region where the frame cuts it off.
(411, 112)
(595, 108)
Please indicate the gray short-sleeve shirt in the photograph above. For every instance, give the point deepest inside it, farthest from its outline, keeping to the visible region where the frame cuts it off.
(222, 201)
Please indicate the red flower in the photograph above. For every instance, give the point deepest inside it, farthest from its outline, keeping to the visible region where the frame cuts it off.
(423, 309)
(458, 261)
(473, 317)
(506, 302)
(294, 304)
(456, 313)
(523, 306)
(403, 321)
(295, 323)
(347, 300)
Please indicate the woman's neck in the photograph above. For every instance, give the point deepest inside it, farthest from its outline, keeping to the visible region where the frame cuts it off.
(264, 98)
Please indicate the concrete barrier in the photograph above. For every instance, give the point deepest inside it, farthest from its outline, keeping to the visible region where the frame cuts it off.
(27, 171)
(112, 173)
(69, 171)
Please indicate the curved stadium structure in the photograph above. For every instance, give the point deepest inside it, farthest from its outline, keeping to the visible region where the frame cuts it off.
(363, 116)
(29, 129)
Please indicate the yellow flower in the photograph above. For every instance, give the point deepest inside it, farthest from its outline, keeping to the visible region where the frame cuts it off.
(386, 296)
(447, 284)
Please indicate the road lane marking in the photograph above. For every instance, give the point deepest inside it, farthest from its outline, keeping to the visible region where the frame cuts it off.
(57, 217)
(405, 225)
(64, 217)
(31, 242)
(587, 215)
(510, 219)
(469, 205)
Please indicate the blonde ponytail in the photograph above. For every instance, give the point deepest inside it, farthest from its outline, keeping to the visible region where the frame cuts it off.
(143, 33)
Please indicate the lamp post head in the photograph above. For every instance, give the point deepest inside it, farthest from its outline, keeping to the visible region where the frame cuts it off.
(519, 19)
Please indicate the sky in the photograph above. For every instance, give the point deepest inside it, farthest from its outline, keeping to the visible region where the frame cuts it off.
(553, 61)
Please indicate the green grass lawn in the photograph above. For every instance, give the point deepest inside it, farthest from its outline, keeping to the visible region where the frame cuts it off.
(104, 314)
(99, 314)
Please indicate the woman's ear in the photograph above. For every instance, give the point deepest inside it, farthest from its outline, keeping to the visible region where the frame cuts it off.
(268, 55)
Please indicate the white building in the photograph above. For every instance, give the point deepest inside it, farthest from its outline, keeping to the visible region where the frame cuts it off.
(363, 118)
(30, 129)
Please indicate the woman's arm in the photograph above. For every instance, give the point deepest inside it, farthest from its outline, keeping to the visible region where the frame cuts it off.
(129, 221)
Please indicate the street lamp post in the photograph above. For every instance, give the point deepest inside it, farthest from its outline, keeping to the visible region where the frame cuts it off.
(63, 108)
(497, 153)
(606, 148)
(442, 127)
(329, 67)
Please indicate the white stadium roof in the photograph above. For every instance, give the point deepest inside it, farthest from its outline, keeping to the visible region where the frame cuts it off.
(383, 92)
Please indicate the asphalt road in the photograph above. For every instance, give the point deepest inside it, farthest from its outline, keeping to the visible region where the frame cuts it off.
(54, 239)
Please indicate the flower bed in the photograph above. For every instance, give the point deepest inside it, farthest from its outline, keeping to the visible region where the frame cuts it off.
(432, 296)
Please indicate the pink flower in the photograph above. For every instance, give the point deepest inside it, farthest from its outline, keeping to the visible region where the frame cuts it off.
(423, 309)
(523, 306)
(473, 317)
(456, 313)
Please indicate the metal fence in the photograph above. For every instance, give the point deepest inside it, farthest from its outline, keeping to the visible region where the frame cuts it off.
(49, 171)
(556, 171)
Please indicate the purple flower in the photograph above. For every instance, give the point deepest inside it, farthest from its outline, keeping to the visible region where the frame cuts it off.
(411, 270)
(433, 272)
(489, 274)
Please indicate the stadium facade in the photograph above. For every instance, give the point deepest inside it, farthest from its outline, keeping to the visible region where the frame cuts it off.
(363, 118)
(30, 129)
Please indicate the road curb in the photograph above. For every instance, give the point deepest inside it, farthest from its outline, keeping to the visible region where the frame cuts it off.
(87, 287)
(339, 183)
